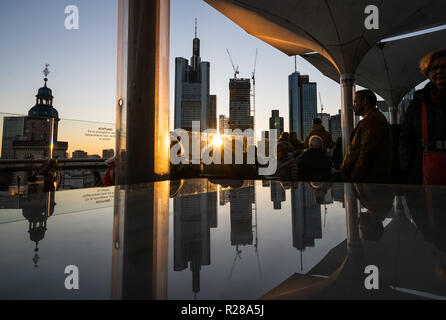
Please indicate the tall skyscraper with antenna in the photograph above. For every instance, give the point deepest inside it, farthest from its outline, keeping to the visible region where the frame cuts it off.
(192, 101)
(302, 95)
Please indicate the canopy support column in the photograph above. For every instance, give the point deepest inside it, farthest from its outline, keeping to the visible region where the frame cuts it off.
(347, 96)
(393, 115)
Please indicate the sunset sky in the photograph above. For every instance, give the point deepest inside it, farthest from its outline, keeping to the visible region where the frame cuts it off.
(83, 62)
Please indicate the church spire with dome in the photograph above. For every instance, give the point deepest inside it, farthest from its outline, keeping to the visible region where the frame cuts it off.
(44, 101)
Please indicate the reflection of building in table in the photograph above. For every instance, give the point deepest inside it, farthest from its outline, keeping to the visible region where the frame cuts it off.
(306, 217)
(194, 214)
(338, 192)
(224, 196)
(37, 208)
(241, 201)
(277, 195)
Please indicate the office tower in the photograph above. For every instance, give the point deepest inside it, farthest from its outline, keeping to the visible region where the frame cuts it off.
(79, 154)
(302, 103)
(276, 122)
(108, 153)
(192, 101)
(212, 112)
(265, 140)
(240, 104)
(13, 129)
(223, 123)
(325, 118)
(335, 126)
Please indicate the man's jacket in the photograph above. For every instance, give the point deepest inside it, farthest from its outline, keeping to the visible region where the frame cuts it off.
(369, 155)
(320, 131)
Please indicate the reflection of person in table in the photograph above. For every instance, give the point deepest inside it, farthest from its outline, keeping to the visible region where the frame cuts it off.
(378, 200)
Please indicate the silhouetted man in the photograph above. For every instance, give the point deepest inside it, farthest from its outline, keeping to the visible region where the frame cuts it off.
(369, 155)
(314, 164)
(319, 130)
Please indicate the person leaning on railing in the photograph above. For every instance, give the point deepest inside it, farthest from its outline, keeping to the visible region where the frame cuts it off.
(422, 145)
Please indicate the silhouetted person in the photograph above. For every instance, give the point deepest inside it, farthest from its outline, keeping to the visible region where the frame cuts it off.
(109, 177)
(296, 144)
(337, 157)
(286, 164)
(285, 136)
(369, 155)
(48, 171)
(433, 99)
(314, 164)
(97, 179)
(319, 130)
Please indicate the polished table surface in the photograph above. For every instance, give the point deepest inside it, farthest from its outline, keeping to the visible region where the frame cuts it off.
(226, 239)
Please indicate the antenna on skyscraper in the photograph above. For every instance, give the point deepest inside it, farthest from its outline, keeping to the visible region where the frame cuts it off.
(254, 96)
(195, 27)
(295, 63)
(320, 99)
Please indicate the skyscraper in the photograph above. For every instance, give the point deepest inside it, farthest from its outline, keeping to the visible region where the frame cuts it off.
(325, 118)
(276, 122)
(302, 103)
(212, 112)
(192, 100)
(223, 123)
(240, 104)
(335, 126)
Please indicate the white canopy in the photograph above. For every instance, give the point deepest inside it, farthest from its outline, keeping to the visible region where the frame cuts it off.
(332, 28)
(391, 69)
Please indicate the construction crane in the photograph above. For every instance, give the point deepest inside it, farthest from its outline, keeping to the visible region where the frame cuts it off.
(254, 96)
(320, 99)
(233, 66)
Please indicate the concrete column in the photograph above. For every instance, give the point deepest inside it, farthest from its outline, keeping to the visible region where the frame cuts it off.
(393, 115)
(142, 120)
(347, 96)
